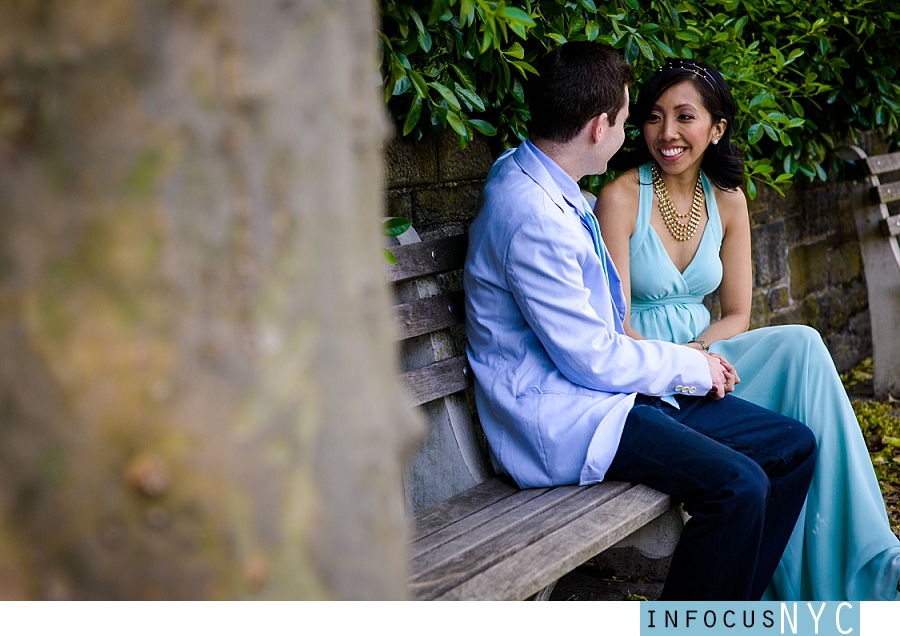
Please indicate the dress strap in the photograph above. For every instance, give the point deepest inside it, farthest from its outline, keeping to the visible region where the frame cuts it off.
(645, 205)
(712, 208)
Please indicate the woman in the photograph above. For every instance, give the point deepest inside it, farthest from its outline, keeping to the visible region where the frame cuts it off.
(677, 227)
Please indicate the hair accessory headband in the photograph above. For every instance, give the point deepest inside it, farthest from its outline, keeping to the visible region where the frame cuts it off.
(688, 65)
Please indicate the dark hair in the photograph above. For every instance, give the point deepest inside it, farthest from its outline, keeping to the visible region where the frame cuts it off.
(576, 82)
(723, 163)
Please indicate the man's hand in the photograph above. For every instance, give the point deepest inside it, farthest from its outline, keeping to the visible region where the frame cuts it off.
(723, 375)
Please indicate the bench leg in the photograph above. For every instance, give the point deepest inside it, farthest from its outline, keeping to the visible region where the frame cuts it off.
(544, 594)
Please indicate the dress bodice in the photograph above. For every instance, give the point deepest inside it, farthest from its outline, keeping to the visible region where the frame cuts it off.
(667, 304)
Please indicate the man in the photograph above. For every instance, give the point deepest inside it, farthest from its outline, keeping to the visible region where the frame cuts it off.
(564, 396)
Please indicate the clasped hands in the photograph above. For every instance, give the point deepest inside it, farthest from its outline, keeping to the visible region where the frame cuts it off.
(724, 377)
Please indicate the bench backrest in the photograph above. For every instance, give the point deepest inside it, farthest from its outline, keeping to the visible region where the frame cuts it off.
(878, 230)
(429, 316)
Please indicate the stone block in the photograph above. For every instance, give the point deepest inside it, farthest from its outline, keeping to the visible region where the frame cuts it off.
(808, 265)
(713, 306)
(769, 206)
(408, 162)
(398, 202)
(769, 248)
(759, 311)
(793, 315)
(448, 204)
(473, 162)
(853, 344)
(838, 304)
(844, 264)
(818, 215)
(778, 298)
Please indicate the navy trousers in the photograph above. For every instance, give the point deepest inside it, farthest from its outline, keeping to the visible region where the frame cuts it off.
(741, 471)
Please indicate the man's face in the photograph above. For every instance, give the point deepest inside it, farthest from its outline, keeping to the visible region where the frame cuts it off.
(613, 135)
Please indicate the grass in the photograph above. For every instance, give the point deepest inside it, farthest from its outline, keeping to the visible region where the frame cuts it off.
(879, 421)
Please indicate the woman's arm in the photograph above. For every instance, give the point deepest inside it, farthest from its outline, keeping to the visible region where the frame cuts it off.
(736, 289)
(617, 210)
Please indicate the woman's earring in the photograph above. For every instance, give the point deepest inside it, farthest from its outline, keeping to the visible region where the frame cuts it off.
(715, 141)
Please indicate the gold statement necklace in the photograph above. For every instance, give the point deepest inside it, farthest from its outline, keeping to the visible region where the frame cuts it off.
(679, 231)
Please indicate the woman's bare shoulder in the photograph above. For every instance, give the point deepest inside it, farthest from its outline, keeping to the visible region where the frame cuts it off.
(617, 204)
(732, 205)
(623, 190)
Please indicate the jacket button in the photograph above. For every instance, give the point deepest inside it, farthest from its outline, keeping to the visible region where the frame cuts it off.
(693, 389)
(679, 388)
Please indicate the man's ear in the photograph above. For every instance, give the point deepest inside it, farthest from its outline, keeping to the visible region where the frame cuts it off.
(599, 125)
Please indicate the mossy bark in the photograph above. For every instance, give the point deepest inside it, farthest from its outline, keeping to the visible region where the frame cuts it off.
(197, 391)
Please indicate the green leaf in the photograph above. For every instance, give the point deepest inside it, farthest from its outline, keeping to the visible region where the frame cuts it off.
(395, 226)
(515, 51)
(389, 256)
(645, 48)
(418, 83)
(446, 93)
(758, 99)
(412, 117)
(471, 97)
(486, 42)
(665, 48)
(589, 5)
(465, 75)
(524, 68)
(456, 124)
(751, 189)
(518, 92)
(755, 133)
(591, 30)
(516, 16)
(820, 171)
(466, 12)
(556, 37)
(483, 127)
(425, 40)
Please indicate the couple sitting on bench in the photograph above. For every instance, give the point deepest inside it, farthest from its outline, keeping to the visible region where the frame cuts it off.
(595, 359)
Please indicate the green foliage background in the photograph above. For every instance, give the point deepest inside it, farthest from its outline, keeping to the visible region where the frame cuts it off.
(805, 74)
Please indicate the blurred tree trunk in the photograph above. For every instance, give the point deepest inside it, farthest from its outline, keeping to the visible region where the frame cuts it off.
(197, 392)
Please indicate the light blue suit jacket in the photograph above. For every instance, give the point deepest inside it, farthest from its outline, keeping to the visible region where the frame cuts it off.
(555, 375)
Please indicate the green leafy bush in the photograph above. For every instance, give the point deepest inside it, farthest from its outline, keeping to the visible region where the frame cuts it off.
(805, 74)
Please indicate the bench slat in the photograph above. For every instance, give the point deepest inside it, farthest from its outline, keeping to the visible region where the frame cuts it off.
(427, 258)
(437, 380)
(886, 192)
(454, 562)
(485, 523)
(883, 163)
(429, 314)
(461, 506)
(891, 225)
(527, 571)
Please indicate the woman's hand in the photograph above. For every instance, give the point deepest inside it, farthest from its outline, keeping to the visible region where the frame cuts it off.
(731, 376)
(723, 375)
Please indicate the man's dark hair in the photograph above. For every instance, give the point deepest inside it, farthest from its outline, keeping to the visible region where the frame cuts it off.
(576, 82)
(723, 163)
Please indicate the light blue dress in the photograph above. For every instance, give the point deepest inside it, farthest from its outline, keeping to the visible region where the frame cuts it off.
(842, 547)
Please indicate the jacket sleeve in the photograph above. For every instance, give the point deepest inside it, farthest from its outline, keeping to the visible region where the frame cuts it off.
(545, 274)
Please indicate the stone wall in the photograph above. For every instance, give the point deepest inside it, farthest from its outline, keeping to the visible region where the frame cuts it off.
(807, 266)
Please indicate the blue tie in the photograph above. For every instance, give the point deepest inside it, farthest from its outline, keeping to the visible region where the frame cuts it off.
(590, 222)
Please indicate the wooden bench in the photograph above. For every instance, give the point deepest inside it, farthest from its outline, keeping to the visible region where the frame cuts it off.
(878, 231)
(478, 536)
